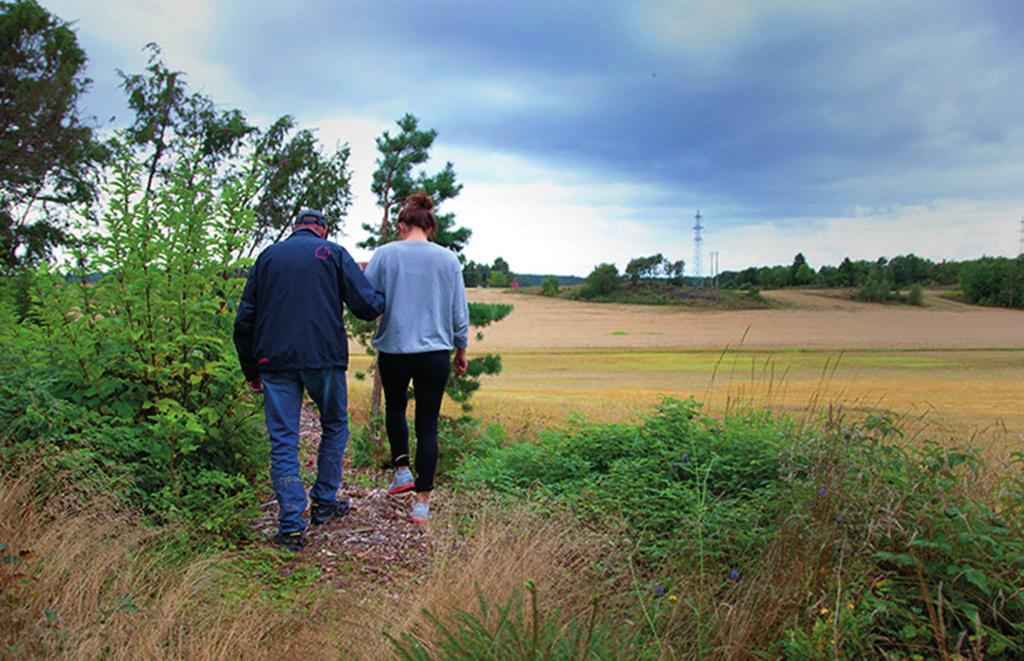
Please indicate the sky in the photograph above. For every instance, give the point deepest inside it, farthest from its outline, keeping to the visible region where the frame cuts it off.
(589, 132)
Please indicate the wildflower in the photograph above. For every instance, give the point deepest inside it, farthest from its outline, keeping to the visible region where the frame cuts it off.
(850, 605)
(659, 590)
(734, 575)
(672, 597)
(821, 491)
(823, 611)
(840, 519)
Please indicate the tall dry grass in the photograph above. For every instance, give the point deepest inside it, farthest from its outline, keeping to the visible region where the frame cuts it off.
(90, 584)
(491, 551)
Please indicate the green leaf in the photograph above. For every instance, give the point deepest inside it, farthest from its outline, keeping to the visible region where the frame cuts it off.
(978, 580)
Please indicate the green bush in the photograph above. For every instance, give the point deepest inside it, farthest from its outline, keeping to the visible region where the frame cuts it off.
(128, 356)
(602, 281)
(935, 566)
(916, 295)
(675, 473)
(549, 286)
(499, 279)
(865, 547)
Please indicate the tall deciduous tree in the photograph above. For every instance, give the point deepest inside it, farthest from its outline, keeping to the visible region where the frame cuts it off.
(640, 268)
(501, 266)
(299, 174)
(296, 172)
(674, 270)
(48, 157)
(800, 273)
(168, 117)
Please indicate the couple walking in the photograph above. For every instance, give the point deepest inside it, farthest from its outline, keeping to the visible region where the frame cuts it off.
(290, 336)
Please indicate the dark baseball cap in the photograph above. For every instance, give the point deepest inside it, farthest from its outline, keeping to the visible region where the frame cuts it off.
(310, 217)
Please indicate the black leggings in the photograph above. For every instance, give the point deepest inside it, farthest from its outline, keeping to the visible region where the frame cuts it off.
(429, 374)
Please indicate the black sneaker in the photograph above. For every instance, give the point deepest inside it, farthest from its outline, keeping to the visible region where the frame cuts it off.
(321, 512)
(290, 541)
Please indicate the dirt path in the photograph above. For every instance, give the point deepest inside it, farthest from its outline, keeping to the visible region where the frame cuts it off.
(812, 321)
(374, 541)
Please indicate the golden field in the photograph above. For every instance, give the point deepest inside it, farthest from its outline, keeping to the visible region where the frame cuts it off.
(950, 369)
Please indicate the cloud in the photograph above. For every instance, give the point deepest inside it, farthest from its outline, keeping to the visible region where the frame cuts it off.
(781, 121)
(944, 229)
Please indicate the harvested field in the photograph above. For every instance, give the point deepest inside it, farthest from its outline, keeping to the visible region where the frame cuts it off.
(812, 321)
(958, 369)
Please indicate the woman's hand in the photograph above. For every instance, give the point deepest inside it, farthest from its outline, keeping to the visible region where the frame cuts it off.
(460, 362)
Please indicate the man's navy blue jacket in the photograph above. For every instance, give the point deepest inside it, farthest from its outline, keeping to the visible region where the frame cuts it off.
(290, 317)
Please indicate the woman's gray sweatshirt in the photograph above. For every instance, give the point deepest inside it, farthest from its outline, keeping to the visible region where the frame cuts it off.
(425, 298)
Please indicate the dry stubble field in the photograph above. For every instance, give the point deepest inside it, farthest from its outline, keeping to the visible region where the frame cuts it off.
(954, 370)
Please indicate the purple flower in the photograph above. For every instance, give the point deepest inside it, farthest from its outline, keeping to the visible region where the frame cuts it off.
(734, 575)
(821, 491)
(659, 590)
(840, 519)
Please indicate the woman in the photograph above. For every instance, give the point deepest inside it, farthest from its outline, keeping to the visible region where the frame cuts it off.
(425, 318)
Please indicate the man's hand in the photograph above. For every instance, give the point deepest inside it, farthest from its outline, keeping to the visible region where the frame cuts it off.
(460, 362)
(256, 385)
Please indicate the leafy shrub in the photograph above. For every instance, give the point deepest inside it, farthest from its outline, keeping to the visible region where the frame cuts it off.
(549, 286)
(499, 279)
(916, 295)
(674, 473)
(840, 541)
(602, 281)
(936, 566)
(132, 350)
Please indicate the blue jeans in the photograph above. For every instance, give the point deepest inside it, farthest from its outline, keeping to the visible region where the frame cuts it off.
(282, 405)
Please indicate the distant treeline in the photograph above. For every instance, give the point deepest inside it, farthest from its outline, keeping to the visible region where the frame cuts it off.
(499, 274)
(995, 281)
(535, 280)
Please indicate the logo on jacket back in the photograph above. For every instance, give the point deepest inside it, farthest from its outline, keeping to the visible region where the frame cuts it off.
(323, 252)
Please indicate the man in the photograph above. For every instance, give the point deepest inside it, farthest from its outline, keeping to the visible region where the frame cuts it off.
(289, 334)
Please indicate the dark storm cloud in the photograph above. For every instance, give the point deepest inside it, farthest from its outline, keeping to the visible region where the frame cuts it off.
(774, 109)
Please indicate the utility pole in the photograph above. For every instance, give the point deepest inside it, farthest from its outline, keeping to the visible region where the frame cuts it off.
(698, 247)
